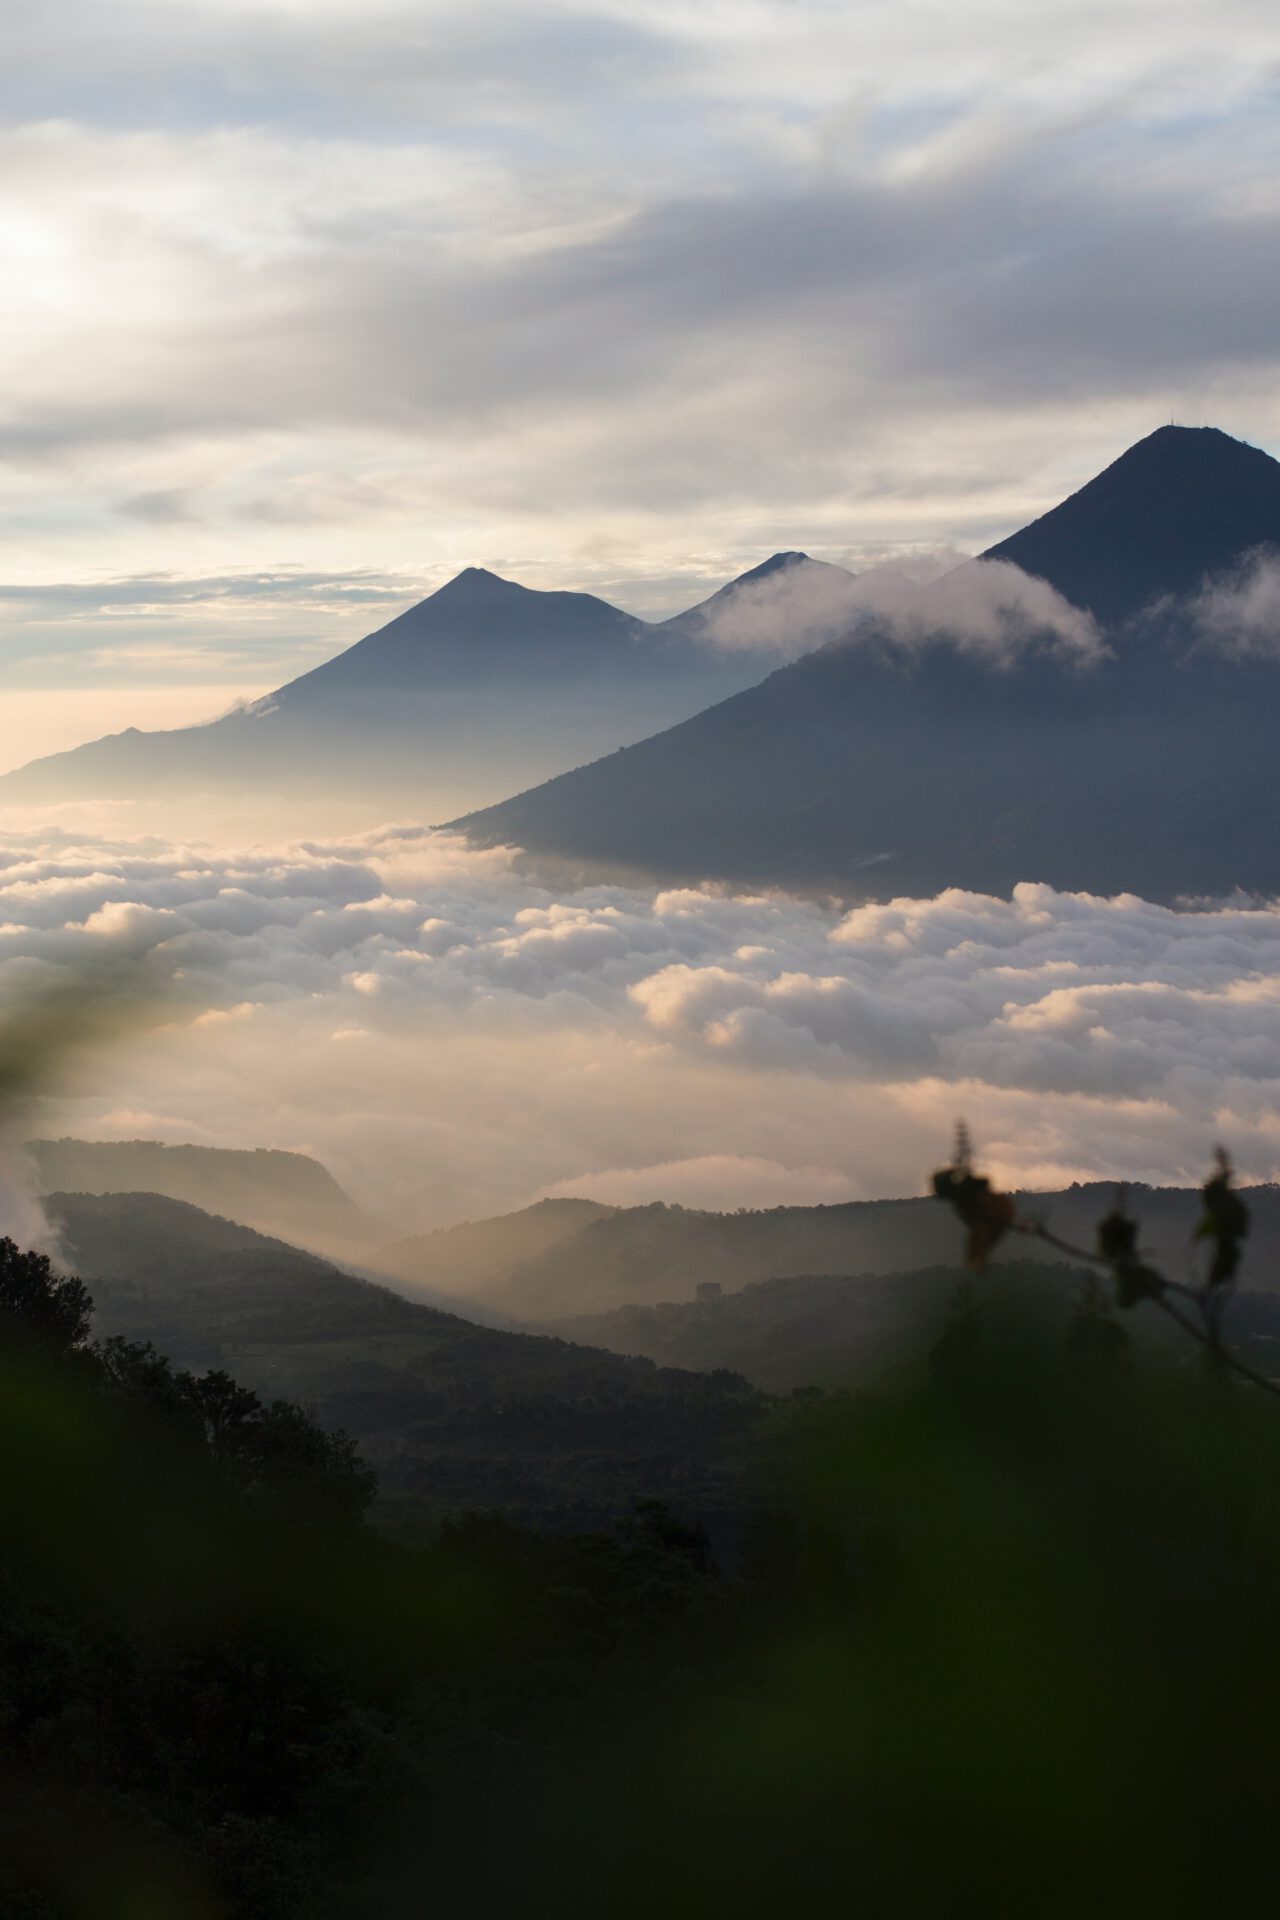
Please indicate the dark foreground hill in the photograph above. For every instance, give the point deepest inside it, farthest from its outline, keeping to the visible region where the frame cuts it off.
(450, 1415)
(644, 1255)
(1003, 1612)
(287, 1195)
(875, 766)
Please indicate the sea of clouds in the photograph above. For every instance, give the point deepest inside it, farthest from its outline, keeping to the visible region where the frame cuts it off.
(452, 1038)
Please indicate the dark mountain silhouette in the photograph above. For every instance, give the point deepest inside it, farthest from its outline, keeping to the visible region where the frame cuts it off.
(483, 685)
(1182, 504)
(288, 1195)
(451, 1415)
(871, 768)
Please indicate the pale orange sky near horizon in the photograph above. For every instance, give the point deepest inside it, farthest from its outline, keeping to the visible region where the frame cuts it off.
(35, 721)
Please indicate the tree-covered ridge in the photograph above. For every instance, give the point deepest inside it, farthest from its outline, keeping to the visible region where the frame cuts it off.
(278, 1193)
(450, 1414)
(642, 1255)
(217, 1682)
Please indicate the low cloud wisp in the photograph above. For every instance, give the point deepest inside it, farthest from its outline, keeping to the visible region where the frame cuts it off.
(985, 607)
(1239, 611)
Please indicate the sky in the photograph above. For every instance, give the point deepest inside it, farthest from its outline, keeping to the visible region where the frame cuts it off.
(309, 306)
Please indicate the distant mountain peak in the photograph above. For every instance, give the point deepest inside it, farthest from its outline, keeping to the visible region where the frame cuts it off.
(1187, 442)
(776, 563)
(478, 583)
(870, 772)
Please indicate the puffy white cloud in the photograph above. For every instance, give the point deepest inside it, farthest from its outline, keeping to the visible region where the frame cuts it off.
(993, 607)
(990, 607)
(804, 604)
(454, 1039)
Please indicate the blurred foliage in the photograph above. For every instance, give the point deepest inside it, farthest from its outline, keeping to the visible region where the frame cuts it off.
(1011, 1650)
(988, 1215)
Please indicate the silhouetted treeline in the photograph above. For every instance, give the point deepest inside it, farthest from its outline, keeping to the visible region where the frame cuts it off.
(218, 1685)
(1003, 1635)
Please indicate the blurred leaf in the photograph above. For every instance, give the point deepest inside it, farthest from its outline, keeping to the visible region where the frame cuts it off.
(1225, 1222)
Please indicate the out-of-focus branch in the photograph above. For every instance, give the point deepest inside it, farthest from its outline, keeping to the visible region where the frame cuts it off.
(988, 1216)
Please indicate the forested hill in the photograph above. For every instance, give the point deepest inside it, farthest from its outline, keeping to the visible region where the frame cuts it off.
(289, 1195)
(642, 1255)
(451, 1415)
(842, 1330)
(473, 1257)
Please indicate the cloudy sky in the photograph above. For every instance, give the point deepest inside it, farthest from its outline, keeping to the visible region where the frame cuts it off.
(309, 305)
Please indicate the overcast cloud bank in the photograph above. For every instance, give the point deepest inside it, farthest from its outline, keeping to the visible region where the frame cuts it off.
(452, 1041)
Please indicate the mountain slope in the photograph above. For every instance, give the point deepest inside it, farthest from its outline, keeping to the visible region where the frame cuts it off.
(642, 1256)
(468, 1259)
(482, 685)
(872, 768)
(1183, 503)
(451, 1415)
(813, 1330)
(288, 1195)
(841, 1330)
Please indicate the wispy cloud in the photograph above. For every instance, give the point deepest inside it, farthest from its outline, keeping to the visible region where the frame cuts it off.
(1239, 611)
(142, 593)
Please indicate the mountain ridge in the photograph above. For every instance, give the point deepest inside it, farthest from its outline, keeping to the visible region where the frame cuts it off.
(483, 683)
(658, 1254)
(454, 1416)
(1218, 498)
(289, 1196)
(881, 767)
